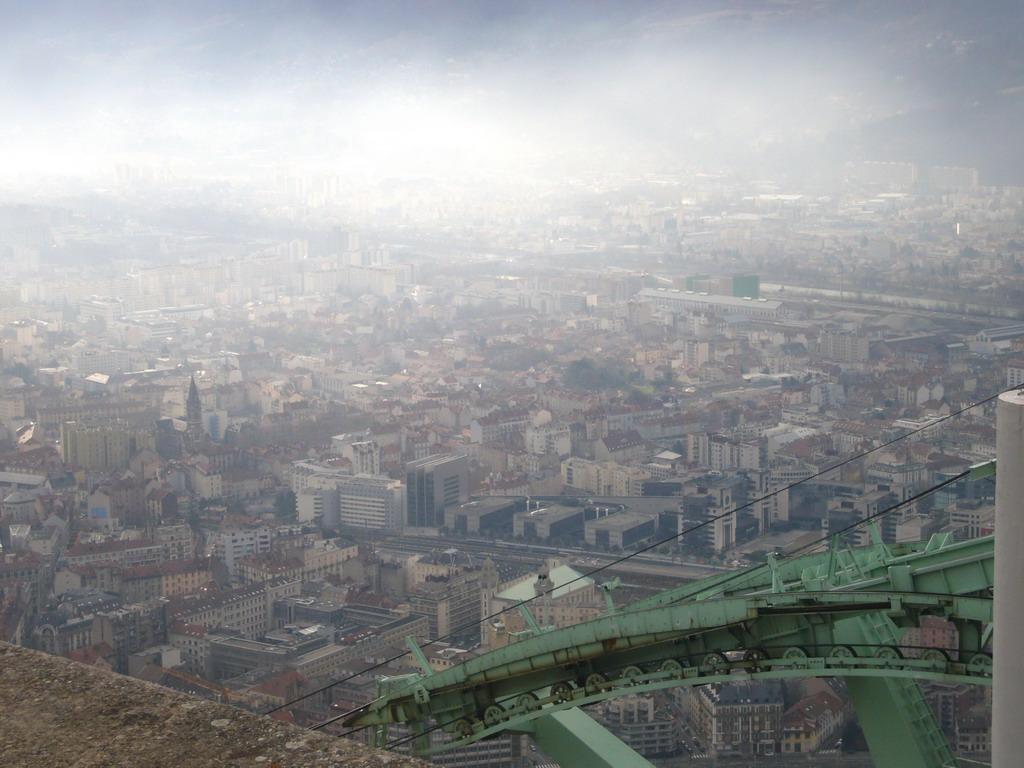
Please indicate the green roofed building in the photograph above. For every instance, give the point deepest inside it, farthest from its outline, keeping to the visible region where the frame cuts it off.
(558, 596)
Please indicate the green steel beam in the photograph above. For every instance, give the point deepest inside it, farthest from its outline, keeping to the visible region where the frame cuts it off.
(572, 737)
(789, 634)
(788, 619)
(516, 714)
(838, 613)
(418, 654)
(982, 469)
(932, 566)
(899, 725)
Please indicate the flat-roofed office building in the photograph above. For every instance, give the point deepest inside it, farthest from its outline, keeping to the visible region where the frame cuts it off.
(433, 484)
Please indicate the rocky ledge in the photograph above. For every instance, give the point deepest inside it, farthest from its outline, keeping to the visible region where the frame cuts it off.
(54, 712)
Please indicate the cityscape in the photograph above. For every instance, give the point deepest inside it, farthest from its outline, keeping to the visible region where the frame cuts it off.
(310, 438)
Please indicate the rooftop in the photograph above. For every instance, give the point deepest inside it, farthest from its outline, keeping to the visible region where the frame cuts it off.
(621, 522)
(560, 577)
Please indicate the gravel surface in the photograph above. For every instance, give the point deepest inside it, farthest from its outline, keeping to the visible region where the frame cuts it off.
(55, 713)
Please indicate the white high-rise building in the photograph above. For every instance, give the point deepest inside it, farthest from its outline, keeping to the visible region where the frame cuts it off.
(365, 457)
(366, 501)
(231, 546)
(361, 501)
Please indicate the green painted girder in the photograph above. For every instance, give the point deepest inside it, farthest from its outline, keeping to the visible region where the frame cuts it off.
(572, 737)
(894, 715)
(517, 714)
(789, 618)
(938, 565)
(783, 635)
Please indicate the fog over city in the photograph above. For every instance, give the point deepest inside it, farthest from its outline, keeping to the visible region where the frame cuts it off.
(561, 382)
(466, 89)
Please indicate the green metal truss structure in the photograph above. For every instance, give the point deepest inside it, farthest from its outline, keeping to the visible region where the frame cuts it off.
(834, 613)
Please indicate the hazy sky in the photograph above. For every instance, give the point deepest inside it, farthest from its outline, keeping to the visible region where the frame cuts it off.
(455, 88)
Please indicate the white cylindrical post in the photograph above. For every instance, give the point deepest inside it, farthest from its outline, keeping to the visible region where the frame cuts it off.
(1008, 613)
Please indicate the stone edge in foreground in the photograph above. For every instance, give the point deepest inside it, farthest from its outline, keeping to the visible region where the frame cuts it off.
(56, 713)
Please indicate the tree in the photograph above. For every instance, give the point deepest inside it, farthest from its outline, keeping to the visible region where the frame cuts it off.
(285, 505)
(582, 373)
(590, 375)
(22, 371)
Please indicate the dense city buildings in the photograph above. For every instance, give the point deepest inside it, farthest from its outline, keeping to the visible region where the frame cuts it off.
(341, 344)
(740, 719)
(253, 466)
